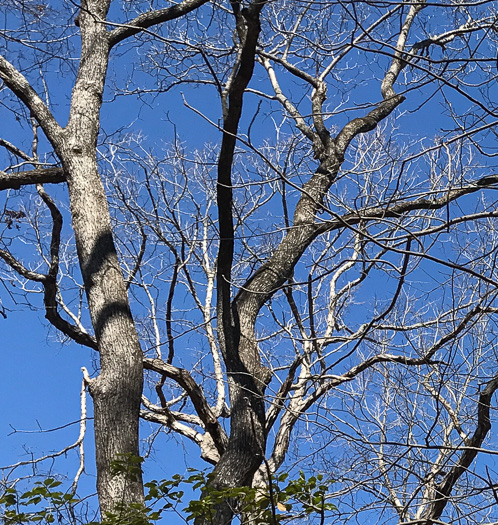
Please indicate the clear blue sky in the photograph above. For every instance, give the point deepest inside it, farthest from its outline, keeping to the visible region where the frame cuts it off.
(41, 378)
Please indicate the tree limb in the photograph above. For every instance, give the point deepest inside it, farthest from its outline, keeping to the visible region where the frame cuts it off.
(187, 382)
(152, 18)
(14, 181)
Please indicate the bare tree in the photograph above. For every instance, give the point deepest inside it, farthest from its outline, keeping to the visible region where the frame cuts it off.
(117, 390)
(352, 252)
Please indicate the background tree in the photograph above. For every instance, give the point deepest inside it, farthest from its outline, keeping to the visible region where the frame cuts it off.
(352, 252)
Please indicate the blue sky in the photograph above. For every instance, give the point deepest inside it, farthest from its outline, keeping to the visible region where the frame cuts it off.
(41, 380)
(40, 411)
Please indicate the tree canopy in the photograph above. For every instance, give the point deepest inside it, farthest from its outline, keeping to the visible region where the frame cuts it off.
(273, 225)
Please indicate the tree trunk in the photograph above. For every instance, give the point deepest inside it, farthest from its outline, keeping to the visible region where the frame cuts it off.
(247, 378)
(117, 391)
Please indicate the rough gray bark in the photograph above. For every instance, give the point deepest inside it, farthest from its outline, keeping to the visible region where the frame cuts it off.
(39, 176)
(247, 378)
(117, 390)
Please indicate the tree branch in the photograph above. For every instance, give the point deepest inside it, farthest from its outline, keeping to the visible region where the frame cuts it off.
(14, 181)
(473, 444)
(18, 84)
(187, 382)
(152, 18)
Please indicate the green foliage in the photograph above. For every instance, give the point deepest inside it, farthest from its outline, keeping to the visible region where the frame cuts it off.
(130, 514)
(42, 504)
(129, 465)
(281, 501)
